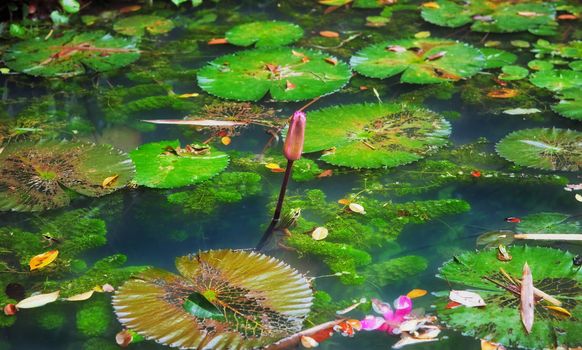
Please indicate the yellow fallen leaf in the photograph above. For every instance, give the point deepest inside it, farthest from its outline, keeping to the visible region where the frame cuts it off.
(560, 310)
(109, 181)
(42, 260)
(422, 35)
(431, 5)
(81, 297)
(272, 166)
(319, 233)
(416, 293)
(225, 140)
(193, 94)
(38, 300)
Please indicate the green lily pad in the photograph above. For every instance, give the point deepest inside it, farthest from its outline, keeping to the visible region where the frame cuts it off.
(557, 80)
(495, 58)
(225, 299)
(264, 34)
(513, 73)
(158, 165)
(540, 65)
(543, 148)
(35, 177)
(576, 65)
(499, 321)
(374, 135)
(572, 49)
(140, 24)
(421, 61)
(71, 54)
(535, 16)
(288, 75)
(544, 223)
(362, 4)
(570, 105)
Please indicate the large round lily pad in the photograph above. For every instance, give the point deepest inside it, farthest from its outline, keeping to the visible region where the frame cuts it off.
(264, 34)
(140, 24)
(548, 223)
(499, 321)
(535, 16)
(289, 75)
(71, 54)
(543, 148)
(421, 61)
(165, 165)
(557, 80)
(374, 135)
(34, 177)
(222, 299)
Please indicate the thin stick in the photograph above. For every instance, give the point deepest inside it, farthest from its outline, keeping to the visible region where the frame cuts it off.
(549, 237)
(277, 216)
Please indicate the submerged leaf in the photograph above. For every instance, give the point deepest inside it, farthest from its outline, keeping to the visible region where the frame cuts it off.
(251, 300)
(140, 24)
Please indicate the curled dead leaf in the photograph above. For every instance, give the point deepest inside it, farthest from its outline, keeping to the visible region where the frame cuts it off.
(487, 345)
(567, 17)
(559, 310)
(416, 293)
(81, 296)
(431, 5)
(436, 56)
(329, 34)
(331, 60)
(109, 181)
(289, 86)
(466, 298)
(527, 298)
(38, 300)
(325, 173)
(217, 41)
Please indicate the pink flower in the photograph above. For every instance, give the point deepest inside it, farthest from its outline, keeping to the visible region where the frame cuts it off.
(295, 136)
(391, 318)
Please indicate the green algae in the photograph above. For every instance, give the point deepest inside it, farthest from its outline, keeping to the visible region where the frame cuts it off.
(94, 318)
(387, 272)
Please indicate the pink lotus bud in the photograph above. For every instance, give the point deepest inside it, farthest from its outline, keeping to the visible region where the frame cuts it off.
(295, 137)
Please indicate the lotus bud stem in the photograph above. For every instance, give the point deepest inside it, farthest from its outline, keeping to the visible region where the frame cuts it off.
(295, 136)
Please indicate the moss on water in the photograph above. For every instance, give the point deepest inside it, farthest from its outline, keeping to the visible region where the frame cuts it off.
(386, 272)
(94, 318)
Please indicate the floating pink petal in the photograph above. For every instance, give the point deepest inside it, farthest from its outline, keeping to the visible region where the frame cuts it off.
(372, 323)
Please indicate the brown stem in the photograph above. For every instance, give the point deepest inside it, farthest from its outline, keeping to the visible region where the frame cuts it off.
(269, 232)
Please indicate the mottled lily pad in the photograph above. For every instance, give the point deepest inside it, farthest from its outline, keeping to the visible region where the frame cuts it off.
(264, 34)
(288, 75)
(71, 54)
(499, 321)
(543, 148)
(35, 177)
(557, 80)
(140, 24)
(373, 136)
(547, 223)
(158, 165)
(570, 105)
(421, 61)
(535, 16)
(222, 299)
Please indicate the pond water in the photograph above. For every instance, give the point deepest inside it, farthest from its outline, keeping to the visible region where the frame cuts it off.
(153, 226)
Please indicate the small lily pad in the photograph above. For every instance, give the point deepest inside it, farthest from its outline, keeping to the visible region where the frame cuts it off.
(160, 165)
(287, 74)
(71, 54)
(34, 177)
(264, 34)
(513, 73)
(495, 58)
(572, 49)
(543, 148)
(500, 320)
(540, 65)
(421, 61)
(570, 105)
(140, 24)
(373, 136)
(495, 17)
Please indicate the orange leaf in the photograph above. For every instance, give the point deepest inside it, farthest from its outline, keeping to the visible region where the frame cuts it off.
(331, 60)
(567, 17)
(502, 93)
(109, 181)
(527, 298)
(431, 5)
(559, 310)
(325, 173)
(128, 9)
(42, 260)
(272, 166)
(290, 86)
(217, 41)
(416, 293)
(226, 140)
(278, 170)
(487, 345)
(344, 201)
(329, 34)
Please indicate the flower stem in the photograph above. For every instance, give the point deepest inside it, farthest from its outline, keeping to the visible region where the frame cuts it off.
(277, 216)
